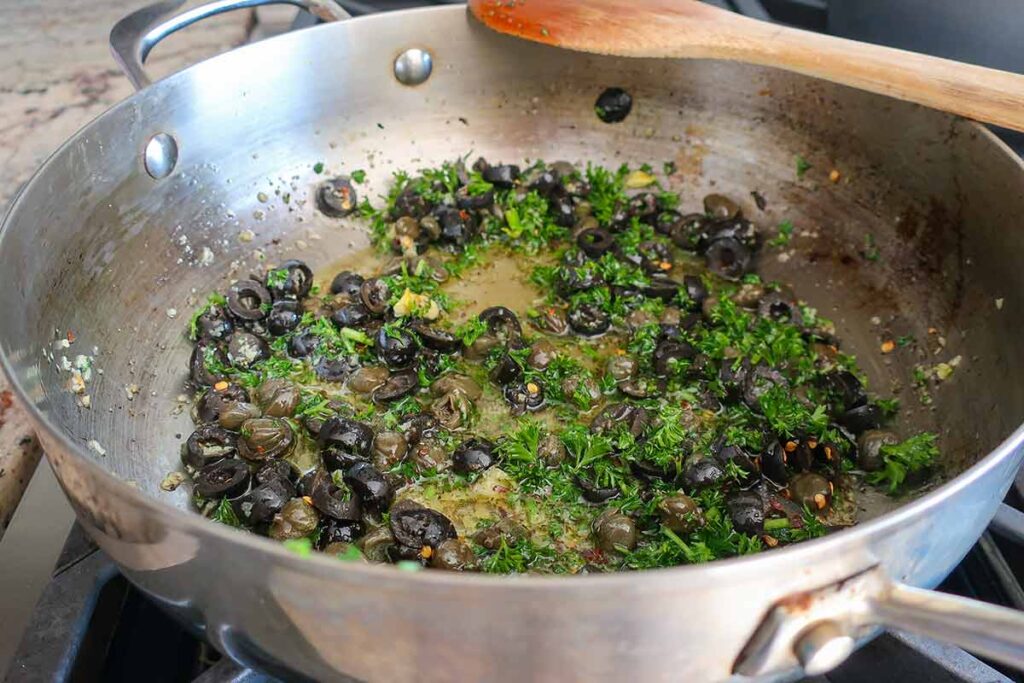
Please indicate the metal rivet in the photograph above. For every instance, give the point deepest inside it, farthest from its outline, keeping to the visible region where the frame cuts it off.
(161, 155)
(413, 66)
(822, 647)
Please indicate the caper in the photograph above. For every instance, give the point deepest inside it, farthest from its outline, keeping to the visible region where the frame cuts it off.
(681, 514)
(811, 490)
(449, 383)
(278, 398)
(621, 368)
(551, 450)
(869, 448)
(615, 531)
(389, 449)
(453, 554)
(366, 379)
(452, 410)
(234, 414)
(541, 355)
(296, 519)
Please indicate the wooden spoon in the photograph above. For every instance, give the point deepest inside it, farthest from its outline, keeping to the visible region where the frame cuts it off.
(687, 28)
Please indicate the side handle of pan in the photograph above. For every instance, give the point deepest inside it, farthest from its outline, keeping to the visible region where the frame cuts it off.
(134, 37)
(819, 629)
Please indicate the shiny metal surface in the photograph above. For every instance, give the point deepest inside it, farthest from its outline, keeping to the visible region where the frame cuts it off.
(413, 66)
(161, 155)
(823, 647)
(99, 248)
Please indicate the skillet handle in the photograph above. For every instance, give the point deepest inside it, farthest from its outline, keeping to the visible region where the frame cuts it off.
(818, 629)
(132, 38)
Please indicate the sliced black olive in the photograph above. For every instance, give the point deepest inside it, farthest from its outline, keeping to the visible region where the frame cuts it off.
(544, 182)
(410, 203)
(845, 390)
(739, 229)
(347, 283)
(351, 315)
(417, 526)
(277, 398)
(265, 438)
(330, 499)
(214, 402)
(563, 210)
(503, 176)
(759, 381)
(655, 257)
(551, 320)
(396, 347)
(296, 520)
(668, 355)
(681, 514)
(728, 258)
(418, 426)
(337, 197)
(436, 338)
(283, 318)
(303, 344)
(473, 202)
(222, 479)
(869, 448)
(213, 324)
(667, 222)
(862, 418)
(702, 474)
(595, 242)
(294, 283)
(248, 300)
(589, 320)
(453, 554)
(208, 444)
(773, 464)
(398, 385)
(622, 368)
(245, 350)
(593, 493)
(346, 435)
(613, 105)
(720, 206)
(662, 288)
(276, 470)
(811, 490)
(263, 502)
(335, 369)
(502, 321)
(375, 295)
(696, 292)
(371, 486)
(615, 415)
(506, 370)
(335, 531)
(799, 454)
(571, 280)
(201, 353)
(644, 206)
(745, 461)
(777, 307)
(746, 510)
(523, 397)
(615, 532)
(457, 225)
(473, 455)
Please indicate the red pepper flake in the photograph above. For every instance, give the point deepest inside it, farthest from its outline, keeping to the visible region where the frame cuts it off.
(71, 337)
(498, 488)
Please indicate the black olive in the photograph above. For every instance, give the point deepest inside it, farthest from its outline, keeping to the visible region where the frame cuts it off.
(524, 397)
(330, 499)
(283, 318)
(264, 438)
(335, 369)
(208, 444)
(613, 105)
(845, 390)
(337, 197)
(667, 222)
(595, 242)
(593, 493)
(417, 526)
(277, 398)
(563, 211)
(346, 435)
(418, 426)
(615, 415)
(570, 280)
(799, 454)
(702, 474)
(351, 315)
(276, 470)
(662, 288)
(728, 258)
(410, 203)
(643, 206)
(696, 292)
(655, 257)
(200, 374)
(669, 354)
(862, 418)
(739, 229)
(248, 300)
(503, 176)
(375, 295)
(473, 202)
(436, 338)
(720, 206)
(758, 382)
(245, 350)
(811, 490)
(746, 510)
(398, 385)
(544, 183)
(746, 462)
(335, 531)
(214, 402)
(296, 283)
(780, 308)
(262, 502)
(473, 455)
(213, 324)
(733, 375)
(773, 464)
(222, 479)
(457, 225)
(396, 347)
(371, 486)
(647, 470)
(347, 283)
(589, 320)
(506, 370)
(303, 344)
(502, 321)
(691, 232)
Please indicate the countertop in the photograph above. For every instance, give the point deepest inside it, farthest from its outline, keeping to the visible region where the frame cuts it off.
(56, 75)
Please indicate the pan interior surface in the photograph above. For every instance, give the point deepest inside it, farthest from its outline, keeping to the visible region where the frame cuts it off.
(914, 240)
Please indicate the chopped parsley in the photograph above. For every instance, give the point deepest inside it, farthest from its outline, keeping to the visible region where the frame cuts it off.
(913, 456)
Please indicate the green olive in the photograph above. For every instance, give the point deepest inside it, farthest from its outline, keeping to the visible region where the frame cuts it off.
(366, 379)
(235, 414)
(622, 368)
(811, 490)
(681, 514)
(551, 450)
(264, 438)
(541, 355)
(709, 306)
(389, 449)
(452, 410)
(869, 448)
(615, 531)
(375, 544)
(278, 398)
(453, 554)
(454, 382)
(296, 519)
